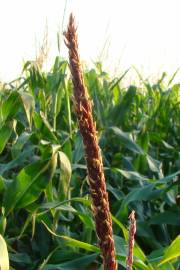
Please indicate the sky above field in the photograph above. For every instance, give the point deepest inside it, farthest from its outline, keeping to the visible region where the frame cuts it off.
(122, 33)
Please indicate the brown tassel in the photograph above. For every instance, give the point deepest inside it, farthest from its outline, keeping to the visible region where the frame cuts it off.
(132, 231)
(83, 108)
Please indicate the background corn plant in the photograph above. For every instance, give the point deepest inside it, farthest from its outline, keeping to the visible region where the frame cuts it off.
(45, 206)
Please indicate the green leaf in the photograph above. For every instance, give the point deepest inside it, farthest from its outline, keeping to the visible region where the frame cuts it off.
(13, 101)
(120, 112)
(5, 133)
(73, 242)
(45, 131)
(166, 266)
(116, 81)
(87, 220)
(156, 255)
(21, 258)
(120, 245)
(132, 175)
(3, 223)
(167, 217)
(139, 265)
(2, 183)
(29, 105)
(4, 258)
(168, 178)
(172, 252)
(127, 140)
(77, 264)
(123, 228)
(18, 146)
(20, 160)
(27, 186)
(79, 244)
(154, 165)
(138, 194)
(51, 205)
(167, 145)
(78, 152)
(65, 176)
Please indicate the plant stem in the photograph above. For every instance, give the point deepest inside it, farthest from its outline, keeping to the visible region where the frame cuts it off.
(83, 108)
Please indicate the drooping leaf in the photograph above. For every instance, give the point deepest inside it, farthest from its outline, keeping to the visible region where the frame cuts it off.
(73, 242)
(29, 105)
(132, 175)
(51, 205)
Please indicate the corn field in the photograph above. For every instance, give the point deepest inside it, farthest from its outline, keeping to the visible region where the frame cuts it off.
(46, 220)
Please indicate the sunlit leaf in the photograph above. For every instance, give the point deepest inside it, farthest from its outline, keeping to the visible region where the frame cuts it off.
(4, 258)
(172, 252)
(65, 176)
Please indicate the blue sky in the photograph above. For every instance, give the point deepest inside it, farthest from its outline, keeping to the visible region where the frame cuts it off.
(144, 33)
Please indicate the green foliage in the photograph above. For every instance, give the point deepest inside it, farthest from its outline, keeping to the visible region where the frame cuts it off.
(46, 215)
